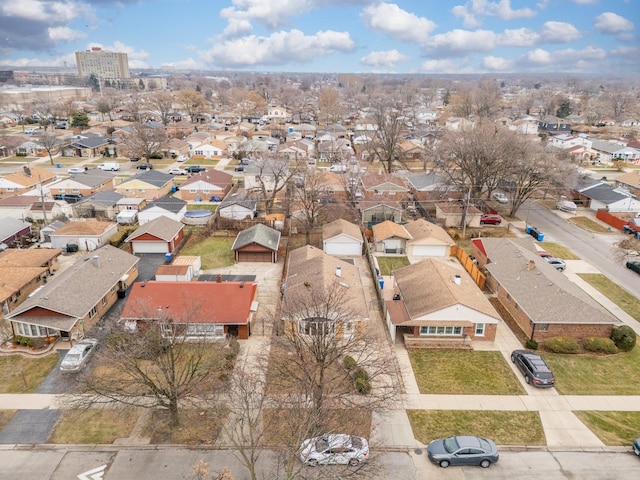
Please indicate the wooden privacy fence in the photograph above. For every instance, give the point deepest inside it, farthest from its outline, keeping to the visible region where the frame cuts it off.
(471, 267)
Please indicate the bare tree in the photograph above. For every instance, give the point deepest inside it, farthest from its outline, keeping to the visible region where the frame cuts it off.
(310, 199)
(156, 367)
(50, 142)
(391, 130)
(161, 105)
(329, 106)
(629, 248)
(193, 102)
(145, 141)
(272, 176)
(618, 101)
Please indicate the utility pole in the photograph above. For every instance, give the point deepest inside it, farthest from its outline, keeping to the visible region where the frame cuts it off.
(464, 214)
(44, 210)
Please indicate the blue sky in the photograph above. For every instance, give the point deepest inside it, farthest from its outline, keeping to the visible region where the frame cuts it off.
(402, 36)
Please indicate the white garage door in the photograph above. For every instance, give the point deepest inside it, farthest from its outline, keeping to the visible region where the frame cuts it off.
(343, 248)
(150, 247)
(429, 250)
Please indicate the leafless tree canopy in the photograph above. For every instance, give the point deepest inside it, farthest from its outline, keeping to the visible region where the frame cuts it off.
(145, 141)
(391, 130)
(627, 249)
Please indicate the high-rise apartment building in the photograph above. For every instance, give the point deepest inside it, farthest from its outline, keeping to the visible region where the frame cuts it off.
(103, 64)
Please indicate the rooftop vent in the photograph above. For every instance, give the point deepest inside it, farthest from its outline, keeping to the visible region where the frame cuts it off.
(457, 279)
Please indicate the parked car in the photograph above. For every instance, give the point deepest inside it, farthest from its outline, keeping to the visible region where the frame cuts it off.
(635, 266)
(556, 262)
(109, 166)
(239, 168)
(490, 219)
(77, 170)
(567, 206)
(215, 198)
(177, 171)
(544, 254)
(194, 169)
(636, 446)
(534, 368)
(145, 166)
(334, 449)
(244, 161)
(338, 168)
(463, 450)
(29, 131)
(181, 158)
(134, 159)
(500, 197)
(78, 355)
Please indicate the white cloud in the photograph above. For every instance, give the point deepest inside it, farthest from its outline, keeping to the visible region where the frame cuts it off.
(570, 59)
(279, 48)
(397, 23)
(539, 56)
(42, 11)
(270, 14)
(65, 34)
(521, 37)
(472, 11)
(559, 32)
(609, 22)
(497, 64)
(457, 42)
(236, 28)
(388, 58)
(445, 66)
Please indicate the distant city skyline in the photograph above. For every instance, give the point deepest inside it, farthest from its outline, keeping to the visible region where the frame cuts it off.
(350, 36)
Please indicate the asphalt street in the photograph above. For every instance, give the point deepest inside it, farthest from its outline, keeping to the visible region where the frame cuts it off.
(595, 248)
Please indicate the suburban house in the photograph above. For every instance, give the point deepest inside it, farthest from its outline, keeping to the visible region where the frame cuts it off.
(160, 235)
(602, 196)
(211, 185)
(74, 300)
(322, 295)
(86, 183)
(376, 211)
(435, 301)
(342, 238)
(212, 149)
(86, 235)
(428, 240)
(41, 211)
(629, 181)
(168, 206)
(527, 286)
(17, 206)
(429, 186)
(101, 205)
(379, 186)
(45, 231)
(88, 146)
(149, 185)
(270, 173)
(238, 207)
(390, 238)
(10, 144)
(23, 271)
(29, 178)
(13, 230)
(175, 147)
(554, 125)
(258, 243)
(450, 213)
(210, 310)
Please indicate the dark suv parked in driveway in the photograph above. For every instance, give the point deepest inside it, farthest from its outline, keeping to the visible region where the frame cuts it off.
(534, 368)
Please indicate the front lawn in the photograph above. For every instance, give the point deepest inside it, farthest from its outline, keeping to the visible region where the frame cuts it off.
(214, 252)
(613, 428)
(463, 372)
(94, 426)
(613, 292)
(20, 374)
(389, 264)
(588, 224)
(596, 375)
(559, 251)
(503, 427)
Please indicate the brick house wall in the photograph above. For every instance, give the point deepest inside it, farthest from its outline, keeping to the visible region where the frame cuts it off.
(490, 330)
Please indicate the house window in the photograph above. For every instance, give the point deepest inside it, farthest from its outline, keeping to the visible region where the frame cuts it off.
(432, 330)
(199, 152)
(193, 190)
(141, 190)
(543, 327)
(93, 312)
(316, 327)
(205, 329)
(104, 300)
(479, 330)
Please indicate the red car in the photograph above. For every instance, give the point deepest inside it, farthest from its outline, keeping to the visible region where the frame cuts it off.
(490, 219)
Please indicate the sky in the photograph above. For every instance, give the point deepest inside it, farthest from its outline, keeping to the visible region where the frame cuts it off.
(337, 36)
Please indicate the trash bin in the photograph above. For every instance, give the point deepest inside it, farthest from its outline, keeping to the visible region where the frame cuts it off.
(174, 189)
(540, 237)
(381, 281)
(167, 258)
(528, 230)
(57, 165)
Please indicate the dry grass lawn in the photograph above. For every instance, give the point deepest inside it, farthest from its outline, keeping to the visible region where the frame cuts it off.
(94, 426)
(613, 428)
(463, 372)
(559, 251)
(504, 427)
(5, 417)
(197, 427)
(215, 252)
(588, 224)
(389, 264)
(614, 292)
(20, 374)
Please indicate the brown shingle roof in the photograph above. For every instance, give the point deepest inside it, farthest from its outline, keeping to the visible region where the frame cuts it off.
(428, 233)
(388, 229)
(84, 228)
(29, 257)
(340, 227)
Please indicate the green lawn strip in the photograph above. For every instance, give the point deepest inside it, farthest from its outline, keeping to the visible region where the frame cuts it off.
(389, 264)
(20, 374)
(559, 251)
(205, 162)
(596, 375)
(613, 428)
(214, 252)
(614, 292)
(503, 427)
(94, 426)
(201, 206)
(463, 372)
(588, 224)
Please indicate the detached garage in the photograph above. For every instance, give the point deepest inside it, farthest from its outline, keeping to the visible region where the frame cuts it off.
(257, 244)
(429, 240)
(342, 238)
(162, 235)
